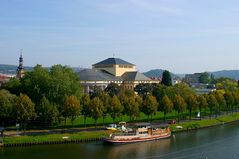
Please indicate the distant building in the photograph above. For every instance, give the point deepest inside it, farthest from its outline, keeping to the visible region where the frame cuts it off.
(20, 68)
(192, 78)
(4, 78)
(112, 70)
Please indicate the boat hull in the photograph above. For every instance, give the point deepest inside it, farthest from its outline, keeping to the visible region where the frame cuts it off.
(143, 139)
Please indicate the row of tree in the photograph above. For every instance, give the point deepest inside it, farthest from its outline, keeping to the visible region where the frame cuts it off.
(52, 95)
(165, 99)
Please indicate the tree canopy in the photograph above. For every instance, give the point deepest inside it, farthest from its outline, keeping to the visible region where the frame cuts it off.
(167, 79)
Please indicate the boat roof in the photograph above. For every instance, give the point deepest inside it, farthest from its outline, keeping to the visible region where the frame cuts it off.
(142, 124)
(163, 125)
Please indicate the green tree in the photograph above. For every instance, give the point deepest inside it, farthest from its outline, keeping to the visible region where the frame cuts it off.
(7, 102)
(105, 98)
(167, 79)
(161, 90)
(202, 103)
(204, 78)
(219, 95)
(25, 109)
(212, 103)
(116, 107)
(150, 106)
(229, 100)
(236, 98)
(183, 89)
(72, 108)
(13, 86)
(113, 89)
(226, 84)
(36, 83)
(47, 112)
(64, 82)
(55, 84)
(144, 89)
(96, 109)
(131, 107)
(85, 102)
(191, 103)
(179, 104)
(95, 91)
(167, 105)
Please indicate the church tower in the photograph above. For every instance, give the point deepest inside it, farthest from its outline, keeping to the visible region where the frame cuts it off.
(20, 68)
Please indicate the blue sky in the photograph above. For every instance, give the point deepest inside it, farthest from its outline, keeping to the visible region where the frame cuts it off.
(183, 36)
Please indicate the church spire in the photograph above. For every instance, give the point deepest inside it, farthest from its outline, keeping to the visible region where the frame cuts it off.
(20, 68)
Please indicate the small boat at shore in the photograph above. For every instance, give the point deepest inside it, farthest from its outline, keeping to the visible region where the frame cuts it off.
(140, 133)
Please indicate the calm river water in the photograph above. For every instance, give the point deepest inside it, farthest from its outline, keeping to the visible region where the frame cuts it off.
(214, 143)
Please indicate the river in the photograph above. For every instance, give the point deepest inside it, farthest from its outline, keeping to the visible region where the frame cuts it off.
(221, 142)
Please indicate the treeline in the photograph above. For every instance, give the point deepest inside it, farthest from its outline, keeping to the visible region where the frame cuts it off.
(53, 95)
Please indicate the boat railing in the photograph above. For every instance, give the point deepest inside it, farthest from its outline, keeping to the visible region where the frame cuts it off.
(123, 134)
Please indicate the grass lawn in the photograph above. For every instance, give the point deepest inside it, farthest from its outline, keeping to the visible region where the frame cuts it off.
(97, 134)
(55, 137)
(89, 121)
(205, 122)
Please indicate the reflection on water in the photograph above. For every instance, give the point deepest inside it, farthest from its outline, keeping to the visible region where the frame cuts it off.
(215, 143)
(136, 150)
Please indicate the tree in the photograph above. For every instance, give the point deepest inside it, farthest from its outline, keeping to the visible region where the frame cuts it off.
(116, 107)
(167, 105)
(229, 100)
(219, 95)
(144, 89)
(226, 84)
(131, 107)
(95, 91)
(191, 103)
(47, 112)
(236, 98)
(212, 103)
(183, 89)
(202, 103)
(85, 101)
(96, 109)
(72, 108)
(113, 89)
(179, 104)
(64, 82)
(161, 90)
(167, 79)
(55, 84)
(150, 106)
(7, 102)
(105, 98)
(13, 86)
(25, 109)
(36, 83)
(204, 78)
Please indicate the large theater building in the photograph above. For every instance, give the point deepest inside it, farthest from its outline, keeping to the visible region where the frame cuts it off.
(112, 70)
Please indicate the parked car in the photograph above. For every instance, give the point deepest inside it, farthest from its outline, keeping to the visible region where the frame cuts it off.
(172, 121)
(111, 127)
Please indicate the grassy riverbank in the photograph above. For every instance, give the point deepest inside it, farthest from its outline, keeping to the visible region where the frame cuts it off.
(205, 122)
(54, 137)
(84, 135)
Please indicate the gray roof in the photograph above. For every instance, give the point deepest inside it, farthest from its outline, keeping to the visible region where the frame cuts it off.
(113, 61)
(134, 76)
(96, 75)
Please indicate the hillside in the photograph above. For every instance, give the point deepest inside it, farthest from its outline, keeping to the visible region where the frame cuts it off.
(234, 74)
(158, 73)
(10, 69)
